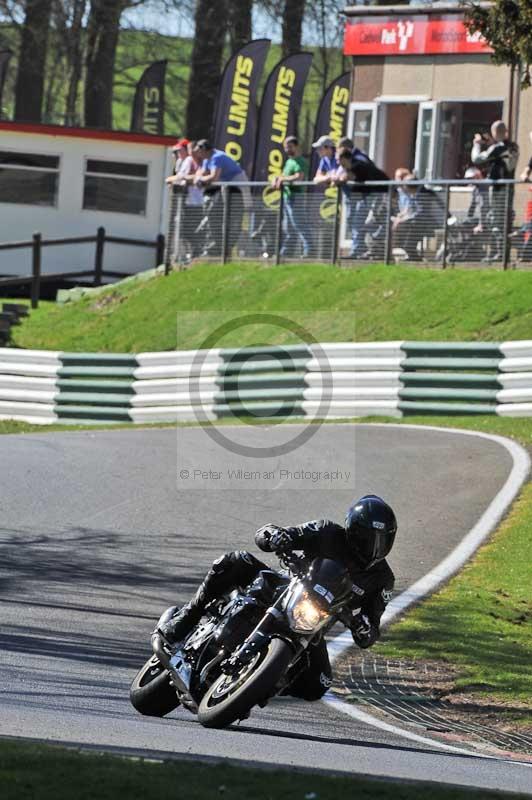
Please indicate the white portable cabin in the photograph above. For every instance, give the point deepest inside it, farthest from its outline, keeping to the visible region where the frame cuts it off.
(67, 182)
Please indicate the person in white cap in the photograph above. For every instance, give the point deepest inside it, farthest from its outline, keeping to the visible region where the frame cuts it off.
(328, 163)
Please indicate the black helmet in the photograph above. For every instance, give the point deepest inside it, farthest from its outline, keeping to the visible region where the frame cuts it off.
(370, 528)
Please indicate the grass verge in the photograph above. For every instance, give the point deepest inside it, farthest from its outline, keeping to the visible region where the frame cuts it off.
(480, 621)
(43, 772)
(375, 303)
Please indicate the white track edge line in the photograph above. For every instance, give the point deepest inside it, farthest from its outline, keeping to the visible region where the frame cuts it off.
(440, 574)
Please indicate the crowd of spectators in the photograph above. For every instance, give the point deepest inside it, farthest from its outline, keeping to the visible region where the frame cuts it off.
(417, 211)
(199, 168)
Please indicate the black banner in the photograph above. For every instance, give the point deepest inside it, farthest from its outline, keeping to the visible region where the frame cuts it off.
(279, 113)
(5, 55)
(332, 115)
(236, 115)
(148, 105)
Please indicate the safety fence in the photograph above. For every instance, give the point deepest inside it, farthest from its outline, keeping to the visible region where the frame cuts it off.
(321, 381)
(432, 223)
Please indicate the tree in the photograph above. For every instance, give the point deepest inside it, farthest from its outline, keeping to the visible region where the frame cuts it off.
(103, 27)
(32, 58)
(210, 29)
(74, 52)
(293, 13)
(507, 26)
(240, 22)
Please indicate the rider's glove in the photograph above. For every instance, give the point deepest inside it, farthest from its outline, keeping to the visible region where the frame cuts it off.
(273, 539)
(364, 633)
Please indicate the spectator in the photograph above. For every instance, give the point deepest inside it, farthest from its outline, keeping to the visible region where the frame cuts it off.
(478, 210)
(468, 240)
(191, 229)
(345, 141)
(328, 163)
(425, 213)
(523, 236)
(402, 196)
(295, 224)
(526, 174)
(499, 158)
(185, 170)
(326, 208)
(217, 167)
(478, 214)
(179, 153)
(340, 174)
(357, 166)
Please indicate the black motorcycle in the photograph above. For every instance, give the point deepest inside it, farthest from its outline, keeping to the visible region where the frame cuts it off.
(248, 647)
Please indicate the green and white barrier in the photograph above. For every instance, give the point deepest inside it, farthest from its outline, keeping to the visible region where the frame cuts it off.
(331, 380)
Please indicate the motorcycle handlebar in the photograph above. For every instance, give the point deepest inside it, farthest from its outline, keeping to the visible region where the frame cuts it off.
(296, 564)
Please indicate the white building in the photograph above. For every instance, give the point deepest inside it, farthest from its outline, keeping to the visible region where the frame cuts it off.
(68, 182)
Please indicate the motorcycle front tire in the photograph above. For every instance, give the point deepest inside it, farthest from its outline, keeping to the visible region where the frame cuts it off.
(219, 711)
(151, 692)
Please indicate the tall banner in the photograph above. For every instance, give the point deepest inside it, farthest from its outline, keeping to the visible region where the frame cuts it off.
(148, 106)
(236, 114)
(332, 115)
(5, 55)
(279, 113)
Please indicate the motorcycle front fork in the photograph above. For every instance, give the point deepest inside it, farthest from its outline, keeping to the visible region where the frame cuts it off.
(272, 622)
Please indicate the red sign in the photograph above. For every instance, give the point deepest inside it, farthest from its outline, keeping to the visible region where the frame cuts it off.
(420, 35)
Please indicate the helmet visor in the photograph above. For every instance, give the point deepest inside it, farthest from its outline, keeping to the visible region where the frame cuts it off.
(373, 546)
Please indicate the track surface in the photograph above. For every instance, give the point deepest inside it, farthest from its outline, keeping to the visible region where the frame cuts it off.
(97, 539)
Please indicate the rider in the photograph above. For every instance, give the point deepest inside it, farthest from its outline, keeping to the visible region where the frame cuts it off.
(362, 545)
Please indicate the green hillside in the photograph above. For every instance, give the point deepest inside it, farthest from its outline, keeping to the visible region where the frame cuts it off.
(332, 304)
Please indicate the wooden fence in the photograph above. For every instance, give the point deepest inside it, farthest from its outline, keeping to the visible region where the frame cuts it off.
(36, 278)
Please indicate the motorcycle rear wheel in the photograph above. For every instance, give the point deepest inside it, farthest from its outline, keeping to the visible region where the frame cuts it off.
(151, 692)
(230, 698)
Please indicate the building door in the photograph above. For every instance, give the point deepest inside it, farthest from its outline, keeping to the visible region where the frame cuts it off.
(396, 136)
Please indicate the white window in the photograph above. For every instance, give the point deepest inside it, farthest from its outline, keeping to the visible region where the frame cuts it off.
(362, 126)
(28, 178)
(425, 140)
(117, 186)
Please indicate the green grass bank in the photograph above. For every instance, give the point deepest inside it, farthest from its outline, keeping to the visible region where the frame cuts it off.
(375, 303)
(480, 622)
(41, 772)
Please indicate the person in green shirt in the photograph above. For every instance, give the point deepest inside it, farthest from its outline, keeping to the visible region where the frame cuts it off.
(295, 226)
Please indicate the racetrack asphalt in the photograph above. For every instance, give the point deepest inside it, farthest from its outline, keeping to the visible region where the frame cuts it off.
(99, 533)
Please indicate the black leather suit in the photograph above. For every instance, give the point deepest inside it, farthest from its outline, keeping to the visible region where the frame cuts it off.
(319, 538)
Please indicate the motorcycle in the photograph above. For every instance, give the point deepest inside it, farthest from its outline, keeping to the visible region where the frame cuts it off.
(249, 646)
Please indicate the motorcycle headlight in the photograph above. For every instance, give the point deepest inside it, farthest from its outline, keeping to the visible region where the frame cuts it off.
(304, 614)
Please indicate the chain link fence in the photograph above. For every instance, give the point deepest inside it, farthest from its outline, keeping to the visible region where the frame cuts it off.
(435, 224)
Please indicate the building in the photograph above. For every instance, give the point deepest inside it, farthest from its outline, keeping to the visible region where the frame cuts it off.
(65, 182)
(422, 86)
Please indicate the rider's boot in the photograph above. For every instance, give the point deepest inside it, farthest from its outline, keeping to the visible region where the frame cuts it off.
(178, 628)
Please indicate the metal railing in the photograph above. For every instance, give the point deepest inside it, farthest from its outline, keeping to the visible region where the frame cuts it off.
(433, 223)
(97, 274)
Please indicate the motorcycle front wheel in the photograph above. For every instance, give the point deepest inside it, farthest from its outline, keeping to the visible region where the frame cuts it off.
(151, 692)
(231, 697)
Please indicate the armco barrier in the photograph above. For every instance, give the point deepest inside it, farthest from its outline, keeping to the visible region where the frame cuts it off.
(331, 380)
